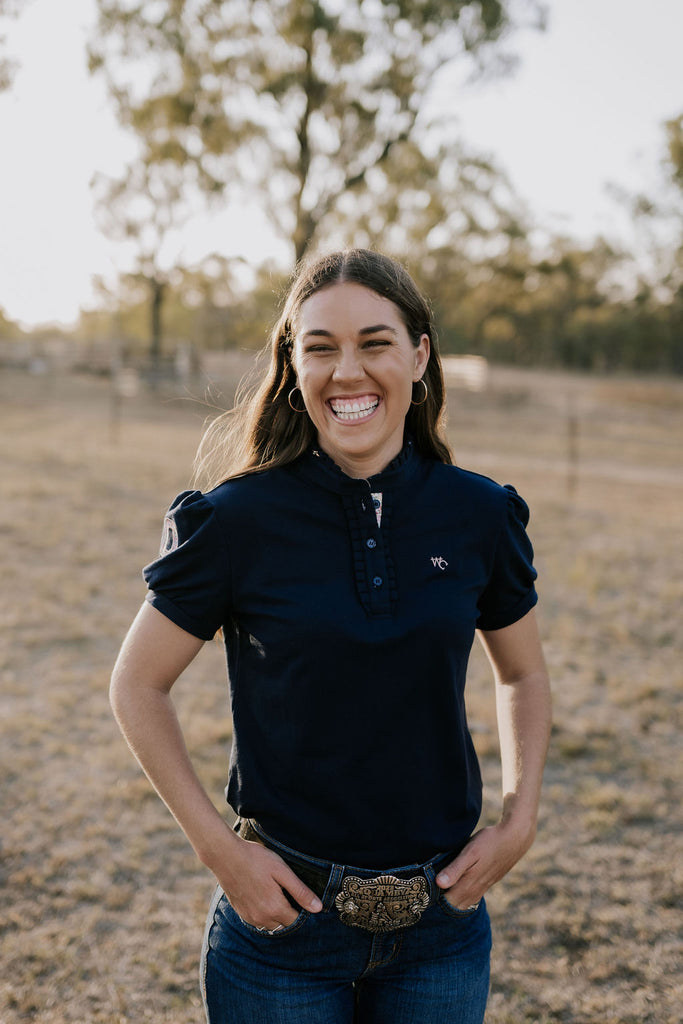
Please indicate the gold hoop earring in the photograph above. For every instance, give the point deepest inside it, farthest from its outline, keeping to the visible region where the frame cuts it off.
(426, 394)
(289, 400)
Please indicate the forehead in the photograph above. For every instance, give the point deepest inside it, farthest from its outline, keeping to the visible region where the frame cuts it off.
(347, 306)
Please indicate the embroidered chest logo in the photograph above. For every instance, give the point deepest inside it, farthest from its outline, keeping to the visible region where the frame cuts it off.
(438, 561)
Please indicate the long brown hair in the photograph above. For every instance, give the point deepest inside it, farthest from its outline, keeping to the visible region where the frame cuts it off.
(263, 431)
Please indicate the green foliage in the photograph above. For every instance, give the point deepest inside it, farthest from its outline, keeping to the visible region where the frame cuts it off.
(216, 304)
(567, 309)
(8, 9)
(9, 330)
(561, 311)
(318, 108)
(298, 101)
(674, 138)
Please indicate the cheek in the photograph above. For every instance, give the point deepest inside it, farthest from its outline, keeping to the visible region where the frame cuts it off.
(310, 388)
(303, 370)
(304, 379)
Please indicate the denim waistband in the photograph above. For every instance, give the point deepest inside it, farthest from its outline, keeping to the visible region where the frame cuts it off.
(325, 877)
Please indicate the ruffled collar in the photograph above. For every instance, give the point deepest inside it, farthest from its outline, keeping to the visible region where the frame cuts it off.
(317, 467)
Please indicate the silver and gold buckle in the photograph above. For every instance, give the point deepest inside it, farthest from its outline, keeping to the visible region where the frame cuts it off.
(382, 904)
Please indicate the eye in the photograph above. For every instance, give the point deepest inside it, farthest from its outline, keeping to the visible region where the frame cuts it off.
(317, 348)
(377, 343)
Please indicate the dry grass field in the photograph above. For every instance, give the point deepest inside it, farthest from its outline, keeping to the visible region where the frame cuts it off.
(101, 901)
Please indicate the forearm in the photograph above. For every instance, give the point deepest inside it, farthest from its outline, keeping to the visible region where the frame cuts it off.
(524, 719)
(523, 708)
(153, 656)
(147, 719)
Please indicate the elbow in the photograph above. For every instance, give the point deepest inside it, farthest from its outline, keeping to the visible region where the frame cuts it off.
(117, 692)
(113, 692)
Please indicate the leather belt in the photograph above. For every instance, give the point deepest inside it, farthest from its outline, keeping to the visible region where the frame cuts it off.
(315, 878)
(381, 904)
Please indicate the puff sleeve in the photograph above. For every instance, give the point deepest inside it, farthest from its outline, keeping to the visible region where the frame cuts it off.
(190, 581)
(509, 593)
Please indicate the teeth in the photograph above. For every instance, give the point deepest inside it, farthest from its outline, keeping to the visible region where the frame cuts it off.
(353, 410)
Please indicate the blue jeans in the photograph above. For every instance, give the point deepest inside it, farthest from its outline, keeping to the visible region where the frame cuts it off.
(319, 970)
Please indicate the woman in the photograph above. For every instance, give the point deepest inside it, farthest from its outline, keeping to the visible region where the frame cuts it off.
(348, 564)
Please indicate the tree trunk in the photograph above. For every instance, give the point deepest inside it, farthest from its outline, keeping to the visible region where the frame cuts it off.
(157, 289)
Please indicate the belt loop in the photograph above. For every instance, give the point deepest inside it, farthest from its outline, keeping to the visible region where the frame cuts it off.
(333, 884)
(430, 875)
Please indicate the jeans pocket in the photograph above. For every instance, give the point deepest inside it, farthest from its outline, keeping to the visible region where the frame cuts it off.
(233, 917)
(455, 912)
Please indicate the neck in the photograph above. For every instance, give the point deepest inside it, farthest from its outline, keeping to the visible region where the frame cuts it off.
(359, 468)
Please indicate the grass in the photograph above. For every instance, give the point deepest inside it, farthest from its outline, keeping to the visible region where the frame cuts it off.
(101, 901)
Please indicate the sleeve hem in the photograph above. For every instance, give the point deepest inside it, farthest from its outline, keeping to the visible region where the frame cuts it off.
(176, 615)
(512, 615)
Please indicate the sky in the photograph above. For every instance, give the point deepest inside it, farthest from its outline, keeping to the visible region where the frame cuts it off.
(585, 108)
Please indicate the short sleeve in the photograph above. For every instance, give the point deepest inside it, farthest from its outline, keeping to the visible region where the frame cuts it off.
(510, 592)
(189, 582)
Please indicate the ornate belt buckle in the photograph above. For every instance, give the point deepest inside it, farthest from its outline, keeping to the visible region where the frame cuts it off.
(382, 904)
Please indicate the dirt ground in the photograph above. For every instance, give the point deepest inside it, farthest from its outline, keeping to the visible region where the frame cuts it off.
(102, 903)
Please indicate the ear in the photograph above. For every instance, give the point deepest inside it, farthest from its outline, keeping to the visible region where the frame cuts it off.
(421, 356)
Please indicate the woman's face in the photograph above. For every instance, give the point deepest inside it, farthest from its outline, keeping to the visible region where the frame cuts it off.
(356, 365)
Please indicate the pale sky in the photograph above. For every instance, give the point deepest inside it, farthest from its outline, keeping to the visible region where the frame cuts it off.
(585, 108)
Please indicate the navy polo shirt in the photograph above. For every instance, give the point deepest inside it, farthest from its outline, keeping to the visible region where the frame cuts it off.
(347, 642)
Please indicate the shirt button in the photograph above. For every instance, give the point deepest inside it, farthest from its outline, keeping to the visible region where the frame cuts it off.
(371, 542)
(376, 502)
(377, 581)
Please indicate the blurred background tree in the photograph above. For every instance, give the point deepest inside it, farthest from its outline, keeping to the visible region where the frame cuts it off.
(656, 324)
(320, 113)
(142, 207)
(316, 110)
(295, 101)
(9, 330)
(674, 279)
(8, 66)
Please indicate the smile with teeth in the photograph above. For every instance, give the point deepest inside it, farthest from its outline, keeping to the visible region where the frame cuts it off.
(349, 409)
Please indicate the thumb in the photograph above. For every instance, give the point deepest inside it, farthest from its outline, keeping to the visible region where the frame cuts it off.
(299, 892)
(455, 870)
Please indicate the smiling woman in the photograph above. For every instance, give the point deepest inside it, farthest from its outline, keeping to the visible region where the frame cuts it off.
(262, 432)
(356, 366)
(348, 564)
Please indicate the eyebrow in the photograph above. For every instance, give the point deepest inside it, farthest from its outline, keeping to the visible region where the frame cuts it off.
(319, 332)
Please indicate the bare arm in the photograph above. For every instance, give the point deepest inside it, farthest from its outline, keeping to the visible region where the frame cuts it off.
(523, 707)
(153, 656)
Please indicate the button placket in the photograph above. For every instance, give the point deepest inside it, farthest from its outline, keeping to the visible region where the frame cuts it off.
(375, 561)
(371, 560)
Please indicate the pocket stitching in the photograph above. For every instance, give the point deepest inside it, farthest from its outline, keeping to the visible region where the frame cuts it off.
(455, 912)
(279, 934)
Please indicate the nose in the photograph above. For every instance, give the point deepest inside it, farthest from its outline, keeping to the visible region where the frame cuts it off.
(348, 365)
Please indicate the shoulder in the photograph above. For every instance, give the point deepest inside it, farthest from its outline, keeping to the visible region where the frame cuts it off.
(465, 483)
(249, 493)
(478, 497)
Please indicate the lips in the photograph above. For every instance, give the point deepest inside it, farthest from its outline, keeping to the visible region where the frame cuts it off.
(349, 409)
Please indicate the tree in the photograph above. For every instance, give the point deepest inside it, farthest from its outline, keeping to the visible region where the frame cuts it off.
(658, 268)
(208, 305)
(9, 330)
(8, 9)
(673, 166)
(297, 100)
(142, 207)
